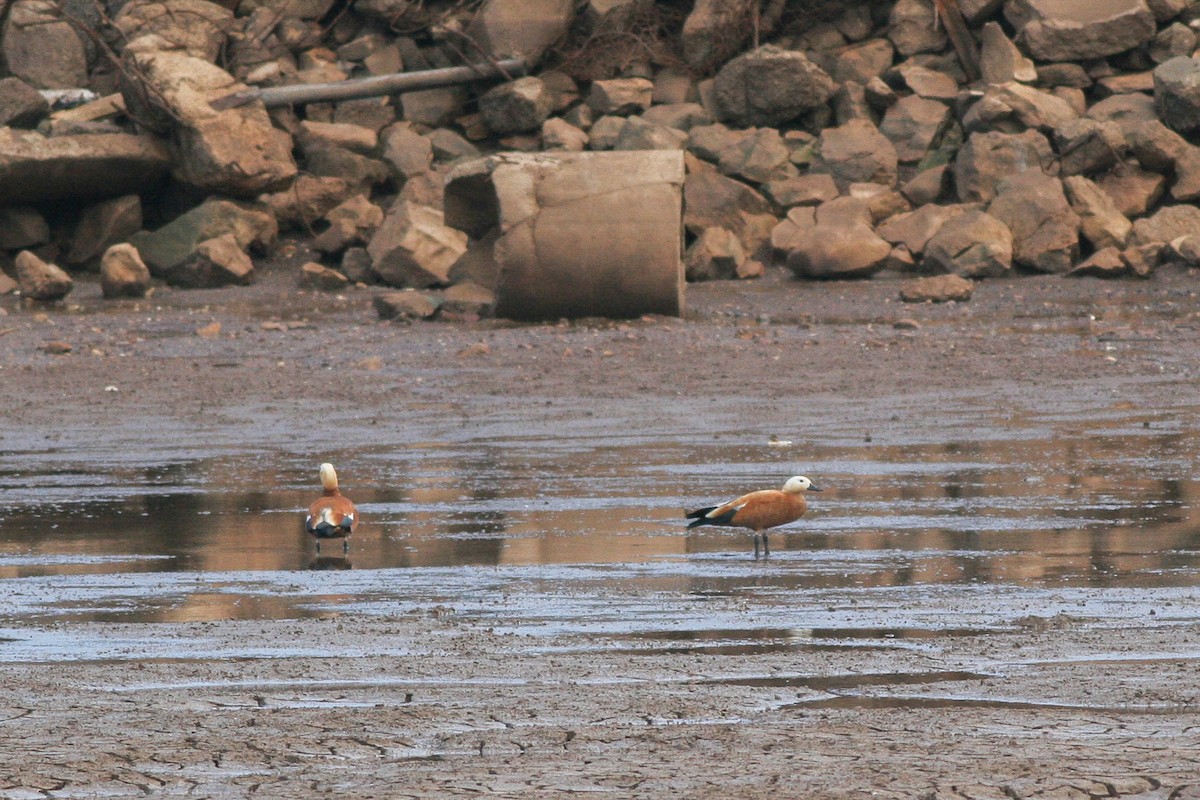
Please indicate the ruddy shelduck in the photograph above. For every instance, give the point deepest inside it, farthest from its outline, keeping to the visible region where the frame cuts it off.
(333, 516)
(759, 511)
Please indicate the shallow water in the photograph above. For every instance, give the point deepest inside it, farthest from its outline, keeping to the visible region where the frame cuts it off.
(1105, 500)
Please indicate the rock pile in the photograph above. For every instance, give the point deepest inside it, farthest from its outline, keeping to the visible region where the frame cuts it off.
(1053, 136)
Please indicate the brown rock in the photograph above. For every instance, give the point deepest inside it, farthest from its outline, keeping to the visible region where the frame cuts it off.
(937, 289)
(40, 280)
(713, 200)
(1045, 230)
(306, 200)
(770, 86)
(41, 48)
(758, 158)
(913, 125)
(21, 106)
(21, 227)
(415, 247)
(1134, 191)
(804, 190)
(1075, 30)
(199, 27)
(857, 152)
(620, 97)
(838, 251)
(1104, 263)
(215, 262)
(1165, 225)
(468, 298)
(321, 278)
(1000, 60)
(1100, 222)
(558, 134)
(973, 244)
(103, 224)
(716, 254)
(355, 138)
(123, 273)
(990, 157)
(518, 106)
(406, 305)
(516, 28)
(39, 169)
(912, 28)
(1087, 146)
(915, 228)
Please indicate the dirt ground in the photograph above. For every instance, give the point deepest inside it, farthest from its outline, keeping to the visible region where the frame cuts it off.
(428, 701)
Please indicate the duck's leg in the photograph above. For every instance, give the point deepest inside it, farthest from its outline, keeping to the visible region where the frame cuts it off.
(318, 547)
(756, 544)
(345, 545)
(766, 545)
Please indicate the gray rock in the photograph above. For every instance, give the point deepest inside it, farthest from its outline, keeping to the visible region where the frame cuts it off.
(22, 227)
(162, 250)
(1074, 30)
(714, 31)
(1177, 93)
(1086, 146)
(913, 125)
(40, 280)
(103, 224)
(770, 86)
(973, 244)
(1171, 42)
(1100, 221)
(856, 152)
(1045, 231)
(21, 105)
(990, 157)
(123, 273)
(519, 106)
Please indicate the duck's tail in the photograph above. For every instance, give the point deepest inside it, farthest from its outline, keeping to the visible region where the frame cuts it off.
(701, 517)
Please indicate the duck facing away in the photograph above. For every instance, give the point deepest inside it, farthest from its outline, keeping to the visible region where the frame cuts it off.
(333, 516)
(759, 511)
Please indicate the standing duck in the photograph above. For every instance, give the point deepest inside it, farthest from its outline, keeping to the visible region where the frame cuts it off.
(759, 511)
(333, 516)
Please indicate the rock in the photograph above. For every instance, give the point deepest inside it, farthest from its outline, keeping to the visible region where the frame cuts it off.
(40, 280)
(21, 105)
(123, 273)
(56, 348)
(715, 255)
(1171, 42)
(519, 28)
(605, 131)
(7, 284)
(638, 134)
(787, 234)
(990, 157)
(937, 289)
(433, 107)
(517, 106)
(558, 134)
(321, 278)
(1128, 111)
(1165, 225)
(1028, 107)
(770, 86)
(450, 147)
(236, 151)
(927, 186)
(1104, 263)
(199, 27)
(468, 298)
(306, 200)
(37, 169)
(360, 172)
(862, 62)
(838, 251)
(714, 31)
(103, 224)
(712, 200)
(682, 116)
(1134, 191)
(41, 48)
(1086, 146)
(167, 247)
(1000, 61)
(803, 190)
(857, 152)
(710, 141)
(1127, 83)
(928, 83)
(1045, 230)
(1100, 222)
(844, 211)
(1155, 146)
(973, 244)
(340, 235)
(1076, 30)
(406, 151)
(415, 247)
(915, 228)
(405, 305)
(1177, 93)
(215, 262)
(354, 138)
(912, 28)
(21, 227)
(1186, 186)
(620, 97)
(913, 125)
(758, 158)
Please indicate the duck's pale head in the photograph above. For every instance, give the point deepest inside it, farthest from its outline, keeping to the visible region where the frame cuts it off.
(328, 477)
(799, 484)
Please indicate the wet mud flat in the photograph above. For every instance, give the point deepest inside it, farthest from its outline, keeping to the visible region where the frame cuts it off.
(994, 597)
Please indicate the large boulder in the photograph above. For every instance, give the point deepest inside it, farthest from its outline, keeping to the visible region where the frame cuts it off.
(41, 48)
(914, 124)
(21, 106)
(973, 244)
(1177, 93)
(22, 227)
(856, 153)
(991, 156)
(1100, 221)
(235, 151)
(519, 28)
(713, 32)
(770, 86)
(836, 250)
(198, 26)
(1165, 226)
(711, 200)
(1076, 30)
(215, 262)
(1045, 230)
(39, 169)
(414, 246)
(252, 228)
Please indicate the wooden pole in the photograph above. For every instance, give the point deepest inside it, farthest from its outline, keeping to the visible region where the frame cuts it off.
(374, 86)
(960, 37)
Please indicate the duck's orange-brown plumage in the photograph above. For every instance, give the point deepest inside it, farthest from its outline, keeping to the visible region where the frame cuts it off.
(333, 515)
(759, 511)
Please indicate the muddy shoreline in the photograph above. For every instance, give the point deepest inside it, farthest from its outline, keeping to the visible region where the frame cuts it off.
(522, 680)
